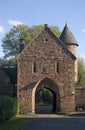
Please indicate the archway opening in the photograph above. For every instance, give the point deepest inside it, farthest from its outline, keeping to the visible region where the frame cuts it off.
(46, 97)
(45, 101)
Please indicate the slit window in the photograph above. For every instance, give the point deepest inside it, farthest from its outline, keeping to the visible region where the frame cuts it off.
(34, 68)
(57, 67)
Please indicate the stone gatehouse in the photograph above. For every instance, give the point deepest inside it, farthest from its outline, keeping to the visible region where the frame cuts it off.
(48, 62)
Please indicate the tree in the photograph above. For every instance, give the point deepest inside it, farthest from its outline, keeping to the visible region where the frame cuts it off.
(7, 62)
(44, 96)
(47, 96)
(11, 46)
(11, 40)
(81, 73)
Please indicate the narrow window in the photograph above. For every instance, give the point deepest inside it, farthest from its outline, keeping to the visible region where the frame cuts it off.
(34, 69)
(57, 67)
(43, 70)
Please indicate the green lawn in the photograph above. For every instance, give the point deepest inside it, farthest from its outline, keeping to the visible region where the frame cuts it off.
(16, 123)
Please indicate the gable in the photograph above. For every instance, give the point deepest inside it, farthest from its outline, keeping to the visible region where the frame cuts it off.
(42, 40)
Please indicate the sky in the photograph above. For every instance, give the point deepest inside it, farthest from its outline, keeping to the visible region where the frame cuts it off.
(38, 12)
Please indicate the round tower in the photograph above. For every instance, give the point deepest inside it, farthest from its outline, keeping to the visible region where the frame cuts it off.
(68, 39)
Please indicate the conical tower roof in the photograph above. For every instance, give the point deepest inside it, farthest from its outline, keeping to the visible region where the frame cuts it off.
(67, 36)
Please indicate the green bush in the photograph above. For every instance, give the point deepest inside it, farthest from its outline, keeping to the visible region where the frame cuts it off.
(8, 107)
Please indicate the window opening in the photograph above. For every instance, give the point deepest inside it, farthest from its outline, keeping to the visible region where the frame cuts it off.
(34, 69)
(57, 67)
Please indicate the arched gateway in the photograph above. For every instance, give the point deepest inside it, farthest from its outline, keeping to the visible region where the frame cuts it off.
(27, 95)
(50, 85)
(47, 63)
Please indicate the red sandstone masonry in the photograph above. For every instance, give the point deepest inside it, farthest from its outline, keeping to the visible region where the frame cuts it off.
(46, 53)
(80, 97)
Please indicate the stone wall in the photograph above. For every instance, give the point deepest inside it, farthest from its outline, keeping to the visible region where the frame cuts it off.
(73, 49)
(53, 61)
(80, 98)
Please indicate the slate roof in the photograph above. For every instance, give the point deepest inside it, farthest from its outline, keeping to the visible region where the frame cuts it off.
(12, 74)
(67, 36)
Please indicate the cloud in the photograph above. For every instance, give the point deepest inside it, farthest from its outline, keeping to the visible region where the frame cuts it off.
(14, 22)
(1, 29)
(83, 30)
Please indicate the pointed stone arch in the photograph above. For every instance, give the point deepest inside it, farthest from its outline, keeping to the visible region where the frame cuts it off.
(49, 84)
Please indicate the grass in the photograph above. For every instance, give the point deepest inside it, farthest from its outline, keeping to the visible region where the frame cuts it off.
(16, 123)
(76, 114)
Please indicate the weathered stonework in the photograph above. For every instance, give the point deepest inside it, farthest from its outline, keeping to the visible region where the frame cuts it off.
(80, 98)
(69, 40)
(73, 49)
(54, 70)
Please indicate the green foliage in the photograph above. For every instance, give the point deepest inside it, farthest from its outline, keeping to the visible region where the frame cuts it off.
(11, 40)
(11, 43)
(44, 97)
(15, 123)
(47, 96)
(81, 73)
(55, 30)
(8, 107)
(8, 62)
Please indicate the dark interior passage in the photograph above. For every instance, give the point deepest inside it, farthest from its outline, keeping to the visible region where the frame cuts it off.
(45, 101)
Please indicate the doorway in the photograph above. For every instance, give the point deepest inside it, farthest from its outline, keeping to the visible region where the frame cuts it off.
(46, 97)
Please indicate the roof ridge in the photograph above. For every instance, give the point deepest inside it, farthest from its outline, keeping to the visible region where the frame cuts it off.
(55, 38)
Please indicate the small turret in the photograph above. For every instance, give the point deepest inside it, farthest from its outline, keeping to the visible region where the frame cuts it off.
(69, 40)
